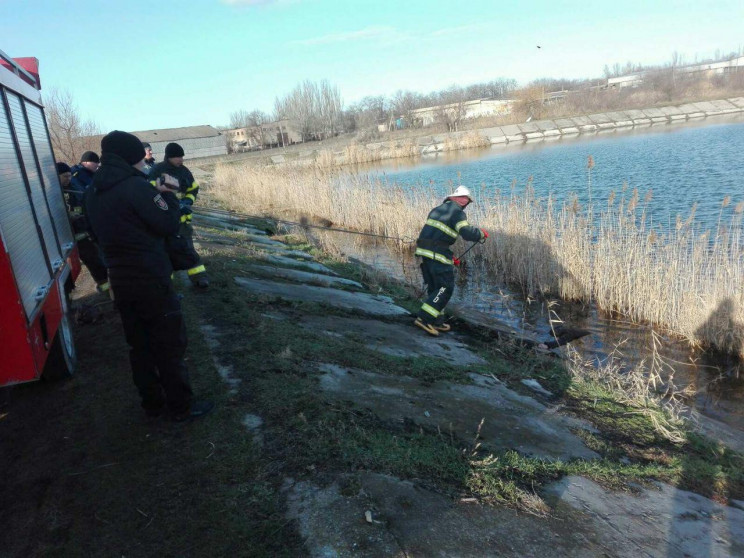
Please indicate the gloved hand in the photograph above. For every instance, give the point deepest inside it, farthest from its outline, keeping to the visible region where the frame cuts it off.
(456, 261)
(185, 207)
(484, 237)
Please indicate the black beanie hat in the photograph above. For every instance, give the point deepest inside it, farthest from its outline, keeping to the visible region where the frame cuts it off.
(63, 168)
(173, 150)
(125, 145)
(89, 157)
(146, 145)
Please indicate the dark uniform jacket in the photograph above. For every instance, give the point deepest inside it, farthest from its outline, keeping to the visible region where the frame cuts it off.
(443, 225)
(81, 179)
(188, 187)
(131, 220)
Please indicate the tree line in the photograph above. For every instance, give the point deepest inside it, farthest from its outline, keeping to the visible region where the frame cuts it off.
(317, 108)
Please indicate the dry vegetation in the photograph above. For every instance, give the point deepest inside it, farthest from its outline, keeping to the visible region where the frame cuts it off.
(681, 280)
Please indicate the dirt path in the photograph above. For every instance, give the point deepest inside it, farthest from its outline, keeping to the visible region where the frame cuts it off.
(341, 430)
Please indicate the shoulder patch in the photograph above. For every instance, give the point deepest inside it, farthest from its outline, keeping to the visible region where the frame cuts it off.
(160, 202)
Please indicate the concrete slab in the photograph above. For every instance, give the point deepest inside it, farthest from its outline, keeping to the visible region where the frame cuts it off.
(301, 276)
(534, 136)
(284, 250)
(670, 110)
(227, 224)
(495, 135)
(691, 110)
(531, 130)
(333, 525)
(567, 126)
(510, 421)
(635, 114)
(406, 519)
(673, 113)
(396, 339)
(528, 127)
(512, 133)
(278, 159)
(725, 107)
(662, 522)
(584, 124)
(655, 115)
(620, 119)
(737, 102)
(281, 259)
(706, 107)
(546, 125)
(375, 305)
(600, 118)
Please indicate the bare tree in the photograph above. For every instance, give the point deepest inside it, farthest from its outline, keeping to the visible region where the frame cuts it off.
(330, 107)
(239, 119)
(71, 135)
(452, 106)
(405, 104)
(315, 108)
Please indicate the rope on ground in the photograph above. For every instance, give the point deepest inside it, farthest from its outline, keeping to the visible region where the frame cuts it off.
(303, 224)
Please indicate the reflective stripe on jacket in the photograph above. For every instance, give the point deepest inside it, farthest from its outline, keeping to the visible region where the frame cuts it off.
(443, 225)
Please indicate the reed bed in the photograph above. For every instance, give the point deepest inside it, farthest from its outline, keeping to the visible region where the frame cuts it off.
(681, 279)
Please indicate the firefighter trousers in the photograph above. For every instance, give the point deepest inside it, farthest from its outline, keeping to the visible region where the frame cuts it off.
(182, 253)
(90, 255)
(440, 284)
(156, 334)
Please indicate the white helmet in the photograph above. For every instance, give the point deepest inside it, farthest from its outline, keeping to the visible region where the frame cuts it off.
(461, 191)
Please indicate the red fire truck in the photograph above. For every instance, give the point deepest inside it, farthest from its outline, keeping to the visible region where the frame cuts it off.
(38, 257)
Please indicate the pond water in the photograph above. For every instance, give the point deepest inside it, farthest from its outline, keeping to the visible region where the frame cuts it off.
(697, 163)
(682, 164)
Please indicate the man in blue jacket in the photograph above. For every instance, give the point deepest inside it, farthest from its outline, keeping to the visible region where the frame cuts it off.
(443, 225)
(131, 219)
(82, 177)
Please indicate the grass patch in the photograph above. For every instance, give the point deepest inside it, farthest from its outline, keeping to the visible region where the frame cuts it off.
(309, 435)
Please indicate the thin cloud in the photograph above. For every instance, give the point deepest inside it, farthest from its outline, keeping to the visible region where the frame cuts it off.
(390, 34)
(372, 33)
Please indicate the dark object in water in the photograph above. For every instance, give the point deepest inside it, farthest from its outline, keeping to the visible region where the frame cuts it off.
(564, 335)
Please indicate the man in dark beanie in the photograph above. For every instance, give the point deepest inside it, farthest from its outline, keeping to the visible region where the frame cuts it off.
(82, 176)
(181, 248)
(88, 250)
(131, 219)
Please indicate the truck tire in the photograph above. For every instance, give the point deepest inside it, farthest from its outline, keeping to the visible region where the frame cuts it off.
(62, 358)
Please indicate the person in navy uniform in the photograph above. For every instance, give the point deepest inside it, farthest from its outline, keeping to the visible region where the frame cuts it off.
(131, 219)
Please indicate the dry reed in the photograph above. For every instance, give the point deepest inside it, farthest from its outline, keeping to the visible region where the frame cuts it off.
(680, 279)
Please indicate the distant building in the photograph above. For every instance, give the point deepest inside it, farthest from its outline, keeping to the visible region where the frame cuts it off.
(197, 141)
(710, 68)
(470, 109)
(271, 134)
(244, 139)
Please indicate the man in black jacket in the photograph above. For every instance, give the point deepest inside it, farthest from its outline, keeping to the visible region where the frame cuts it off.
(181, 247)
(149, 159)
(443, 225)
(131, 220)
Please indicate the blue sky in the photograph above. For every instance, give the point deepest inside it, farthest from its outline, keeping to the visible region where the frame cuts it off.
(141, 65)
